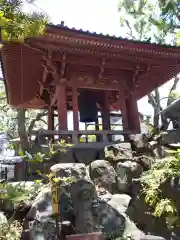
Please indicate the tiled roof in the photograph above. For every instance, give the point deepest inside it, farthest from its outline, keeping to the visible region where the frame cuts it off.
(106, 36)
(32, 72)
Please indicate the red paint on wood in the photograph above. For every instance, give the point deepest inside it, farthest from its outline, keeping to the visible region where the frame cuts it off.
(89, 236)
(132, 113)
(62, 106)
(50, 118)
(124, 112)
(75, 108)
(105, 112)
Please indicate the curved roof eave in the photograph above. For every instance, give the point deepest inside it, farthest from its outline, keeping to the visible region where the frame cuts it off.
(107, 36)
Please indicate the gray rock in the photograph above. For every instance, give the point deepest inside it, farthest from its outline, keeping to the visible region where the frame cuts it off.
(120, 202)
(70, 170)
(132, 230)
(158, 151)
(39, 222)
(151, 237)
(109, 220)
(140, 213)
(171, 189)
(82, 195)
(85, 156)
(175, 234)
(126, 172)
(145, 161)
(139, 142)
(118, 152)
(103, 174)
(169, 137)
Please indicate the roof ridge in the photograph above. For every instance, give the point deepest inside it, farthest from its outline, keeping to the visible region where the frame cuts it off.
(112, 37)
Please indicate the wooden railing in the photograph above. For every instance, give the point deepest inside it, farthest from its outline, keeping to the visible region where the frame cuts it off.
(75, 135)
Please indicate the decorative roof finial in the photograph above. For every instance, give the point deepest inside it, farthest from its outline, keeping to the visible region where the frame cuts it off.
(62, 23)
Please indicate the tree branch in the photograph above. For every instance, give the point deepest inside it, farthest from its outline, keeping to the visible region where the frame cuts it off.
(174, 86)
(151, 100)
(130, 29)
(38, 118)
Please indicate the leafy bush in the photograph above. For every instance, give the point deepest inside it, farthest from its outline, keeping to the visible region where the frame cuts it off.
(10, 231)
(19, 192)
(162, 170)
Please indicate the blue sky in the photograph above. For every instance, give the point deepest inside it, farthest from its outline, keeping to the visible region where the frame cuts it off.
(99, 16)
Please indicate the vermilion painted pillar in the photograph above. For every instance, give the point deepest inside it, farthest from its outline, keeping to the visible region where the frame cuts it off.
(87, 236)
(122, 102)
(105, 112)
(62, 106)
(132, 113)
(75, 108)
(50, 118)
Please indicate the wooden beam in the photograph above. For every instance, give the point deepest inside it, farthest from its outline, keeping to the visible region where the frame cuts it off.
(93, 61)
(100, 86)
(43, 44)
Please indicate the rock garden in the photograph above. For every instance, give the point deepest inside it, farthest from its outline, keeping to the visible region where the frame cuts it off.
(131, 192)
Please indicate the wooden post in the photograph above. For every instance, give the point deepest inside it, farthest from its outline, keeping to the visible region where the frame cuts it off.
(62, 106)
(122, 102)
(50, 118)
(75, 108)
(132, 113)
(105, 112)
(98, 138)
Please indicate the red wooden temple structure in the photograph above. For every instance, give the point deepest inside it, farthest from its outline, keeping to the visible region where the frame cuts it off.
(63, 68)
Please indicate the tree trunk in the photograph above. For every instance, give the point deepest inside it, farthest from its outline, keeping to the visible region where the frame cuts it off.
(154, 100)
(21, 121)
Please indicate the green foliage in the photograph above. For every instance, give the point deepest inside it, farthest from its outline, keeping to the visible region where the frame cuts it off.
(174, 95)
(18, 193)
(146, 18)
(17, 25)
(161, 171)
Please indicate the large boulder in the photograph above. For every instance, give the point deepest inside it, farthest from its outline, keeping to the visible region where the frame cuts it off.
(40, 220)
(145, 161)
(139, 144)
(126, 172)
(70, 170)
(82, 194)
(158, 151)
(118, 152)
(142, 215)
(102, 174)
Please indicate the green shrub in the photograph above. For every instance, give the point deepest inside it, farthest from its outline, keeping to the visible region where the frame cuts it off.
(161, 171)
